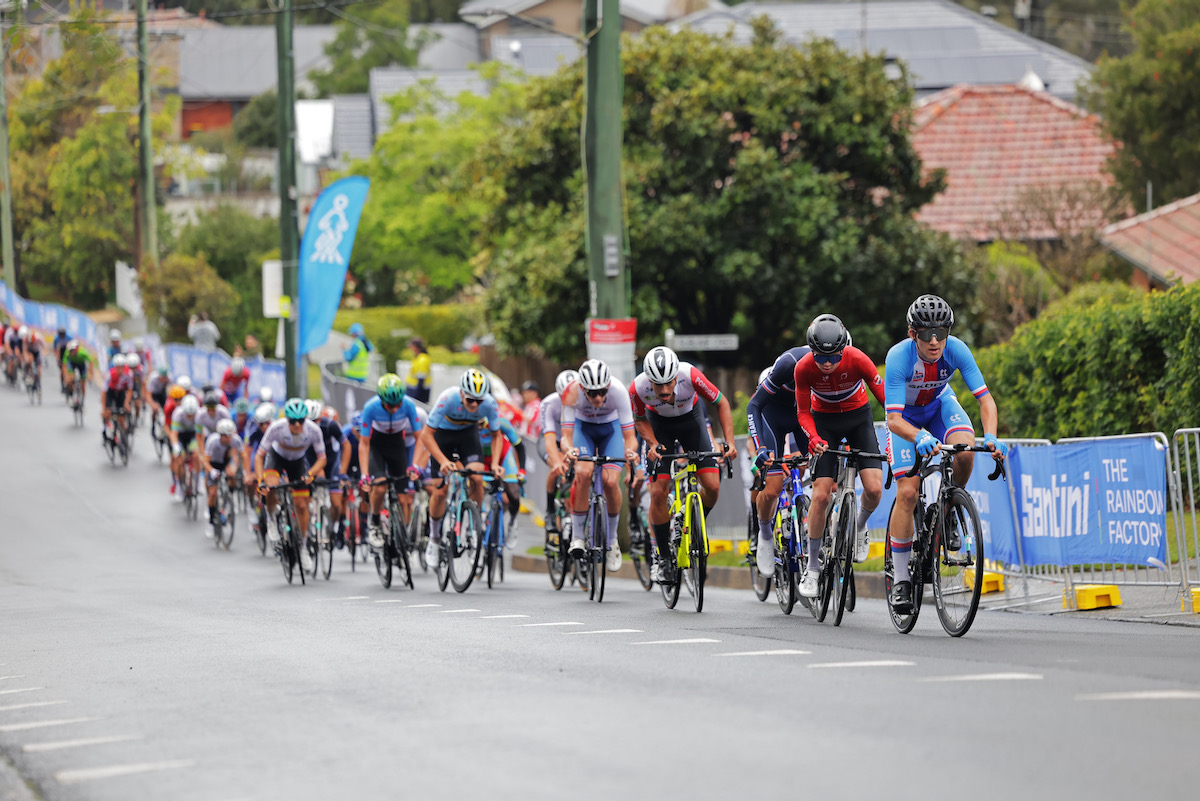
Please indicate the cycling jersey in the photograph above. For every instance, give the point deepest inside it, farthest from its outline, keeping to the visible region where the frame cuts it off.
(913, 382)
(410, 437)
(331, 435)
(531, 422)
(771, 412)
(779, 386)
(616, 407)
(279, 439)
(158, 384)
(60, 343)
(217, 453)
(183, 423)
(843, 390)
(120, 379)
(690, 385)
(208, 420)
(402, 420)
(81, 359)
(450, 414)
(231, 383)
(551, 415)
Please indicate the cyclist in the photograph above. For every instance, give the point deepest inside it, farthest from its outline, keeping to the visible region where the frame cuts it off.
(550, 419)
(282, 451)
(114, 344)
(211, 388)
(32, 349)
(512, 458)
(76, 364)
(222, 451)
(157, 386)
(61, 340)
(143, 353)
(452, 429)
(922, 413)
(666, 398)
(241, 416)
(236, 380)
(601, 405)
(832, 405)
(772, 416)
(12, 351)
(350, 468)
(214, 411)
(137, 369)
(182, 433)
(335, 457)
(382, 451)
(264, 415)
(118, 393)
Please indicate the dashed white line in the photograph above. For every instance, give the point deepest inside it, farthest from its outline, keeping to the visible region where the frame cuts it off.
(391, 601)
(1143, 695)
(42, 724)
(5, 678)
(987, 677)
(22, 690)
(675, 642)
(867, 663)
(348, 598)
(35, 748)
(779, 652)
(500, 617)
(423, 606)
(607, 631)
(457, 611)
(31, 705)
(559, 623)
(87, 774)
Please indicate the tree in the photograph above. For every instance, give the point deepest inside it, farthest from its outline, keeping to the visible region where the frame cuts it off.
(416, 237)
(181, 286)
(255, 125)
(1150, 101)
(1014, 288)
(373, 36)
(764, 184)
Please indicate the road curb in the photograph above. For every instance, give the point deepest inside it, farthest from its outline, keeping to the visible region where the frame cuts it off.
(868, 585)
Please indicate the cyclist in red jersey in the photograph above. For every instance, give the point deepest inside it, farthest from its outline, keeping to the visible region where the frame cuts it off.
(831, 406)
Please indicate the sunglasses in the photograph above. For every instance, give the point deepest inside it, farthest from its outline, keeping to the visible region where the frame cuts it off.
(295, 422)
(597, 393)
(833, 358)
(472, 401)
(926, 334)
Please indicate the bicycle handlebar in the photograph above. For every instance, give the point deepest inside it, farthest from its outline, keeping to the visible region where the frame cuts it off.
(922, 463)
(695, 456)
(855, 453)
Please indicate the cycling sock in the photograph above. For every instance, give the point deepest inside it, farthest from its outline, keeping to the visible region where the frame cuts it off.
(612, 529)
(577, 524)
(549, 502)
(765, 530)
(863, 513)
(901, 551)
(435, 528)
(662, 536)
(375, 520)
(814, 553)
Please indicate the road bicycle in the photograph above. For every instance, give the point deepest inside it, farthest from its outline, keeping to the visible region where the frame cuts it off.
(33, 383)
(461, 531)
(592, 566)
(760, 583)
(418, 525)
(356, 530)
(75, 401)
(947, 547)
(492, 547)
(395, 549)
(687, 560)
(191, 485)
(556, 547)
(320, 541)
(118, 443)
(641, 542)
(259, 526)
(224, 522)
(158, 435)
(289, 546)
(790, 534)
(835, 582)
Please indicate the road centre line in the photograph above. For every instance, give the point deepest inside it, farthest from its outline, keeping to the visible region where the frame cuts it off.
(560, 623)
(780, 652)
(867, 663)
(1143, 695)
(42, 724)
(675, 642)
(4, 678)
(607, 631)
(391, 601)
(30, 705)
(500, 617)
(423, 606)
(111, 771)
(22, 690)
(36, 748)
(457, 611)
(348, 598)
(985, 677)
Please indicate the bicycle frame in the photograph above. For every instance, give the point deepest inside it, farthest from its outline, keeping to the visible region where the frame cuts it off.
(683, 486)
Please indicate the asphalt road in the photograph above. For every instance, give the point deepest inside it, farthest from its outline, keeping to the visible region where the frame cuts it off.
(137, 662)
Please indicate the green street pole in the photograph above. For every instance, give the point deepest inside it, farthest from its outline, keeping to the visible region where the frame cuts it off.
(146, 198)
(608, 292)
(289, 228)
(6, 225)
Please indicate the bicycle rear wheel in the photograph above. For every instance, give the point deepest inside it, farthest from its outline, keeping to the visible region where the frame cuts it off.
(843, 559)
(599, 545)
(228, 510)
(761, 583)
(398, 540)
(287, 559)
(641, 552)
(785, 574)
(557, 558)
(464, 546)
(956, 575)
(324, 544)
(672, 576)
(697, 568)
(903, 622)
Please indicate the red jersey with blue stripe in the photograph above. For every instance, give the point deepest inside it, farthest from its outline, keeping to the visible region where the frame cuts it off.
(910, 381)
(843, 390)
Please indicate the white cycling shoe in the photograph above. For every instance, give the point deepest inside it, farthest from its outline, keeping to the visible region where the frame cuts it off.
(432, 554)
(578, 548)
(614, 559)
(808, 584)
(764, 558)
(862, 546)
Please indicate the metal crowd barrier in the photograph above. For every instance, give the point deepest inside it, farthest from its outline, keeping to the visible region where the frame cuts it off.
(1185, 451)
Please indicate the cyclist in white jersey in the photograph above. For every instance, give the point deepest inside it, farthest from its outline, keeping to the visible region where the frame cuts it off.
(550, 419)
(282, 451)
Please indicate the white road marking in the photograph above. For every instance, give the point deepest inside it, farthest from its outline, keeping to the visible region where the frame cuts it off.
(1143, 695)
(423, 606)
(87, 774)
(607, 631)
(391, 601)
(867, 663)
(457, 611)
(780, 652)
(987, 677)
(348, 598)
(675, 642)
(22, 690)
(41, 724)
(3, 678)
(500, 617)
(561, 623)
(31, 705)
(35, 748)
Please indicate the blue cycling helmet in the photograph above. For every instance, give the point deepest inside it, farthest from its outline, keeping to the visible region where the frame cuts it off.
(356, 329)
(295, 409)
(356, 420)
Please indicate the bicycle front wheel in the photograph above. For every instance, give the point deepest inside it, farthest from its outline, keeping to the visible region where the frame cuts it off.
(843, 557)
(493, 537)
(400, 544)
(697, 568)
(957, 575)
(785, 564)
(325, 544)
(228, 512)
(903, 622)
(639, 548)
(599, 547)
(464, 546)
(556, 558)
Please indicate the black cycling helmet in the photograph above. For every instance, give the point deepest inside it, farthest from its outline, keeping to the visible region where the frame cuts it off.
(827, 335)
(211, 398)
(529, 386)
(930, 311)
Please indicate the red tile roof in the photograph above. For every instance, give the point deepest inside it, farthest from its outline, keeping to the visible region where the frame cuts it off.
(1164, 243)
(996, 142)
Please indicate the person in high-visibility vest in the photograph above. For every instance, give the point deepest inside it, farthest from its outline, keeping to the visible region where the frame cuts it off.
(358, 355)
(420, 374)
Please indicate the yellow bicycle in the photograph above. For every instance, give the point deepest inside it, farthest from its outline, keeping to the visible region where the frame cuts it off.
(687, 562)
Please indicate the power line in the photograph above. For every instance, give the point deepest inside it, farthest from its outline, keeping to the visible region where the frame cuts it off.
(260, 12)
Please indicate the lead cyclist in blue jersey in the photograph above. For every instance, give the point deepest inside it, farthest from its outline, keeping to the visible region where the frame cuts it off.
(922, 413)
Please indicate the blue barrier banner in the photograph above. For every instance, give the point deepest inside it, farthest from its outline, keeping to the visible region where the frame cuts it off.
(325, 255)
(1096, 502)
(207, 366)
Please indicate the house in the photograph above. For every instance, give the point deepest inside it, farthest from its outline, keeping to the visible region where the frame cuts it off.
(997, 143)
(1163, 244)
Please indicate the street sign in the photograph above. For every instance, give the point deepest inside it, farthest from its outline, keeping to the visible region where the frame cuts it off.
(706, 342)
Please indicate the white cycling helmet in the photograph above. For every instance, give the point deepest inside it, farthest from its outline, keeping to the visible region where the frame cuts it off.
(594, 374)
(23, 331)
(237, 365)
(184, 382)
(139, 343)
(114, 335)
(564, 380)
(765, 372)
(265, 413)
(119, 360)
(661, 365)
(226, 428)
(265, 395)
(475, 384)
(314, 409)
(190, 405)
(132, 361)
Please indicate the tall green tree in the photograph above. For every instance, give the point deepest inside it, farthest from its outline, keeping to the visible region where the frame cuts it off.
(255, 125)
(1150, 101)
(368, 36)
(764, 184)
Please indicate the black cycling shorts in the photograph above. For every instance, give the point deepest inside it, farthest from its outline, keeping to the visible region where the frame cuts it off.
(772, 425)
(857, 428)
(114, 398)
(159, 397)
(463, 441)
(690, 431)
(293, 469)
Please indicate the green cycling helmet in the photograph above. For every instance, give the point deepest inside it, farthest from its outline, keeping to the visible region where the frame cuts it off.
(295, 409)
(241, 406)
(390, 389)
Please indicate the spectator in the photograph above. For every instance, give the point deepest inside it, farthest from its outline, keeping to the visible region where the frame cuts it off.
(420, 373)
(203, 332)
(358, 355)
(531, 423)
(252, 346)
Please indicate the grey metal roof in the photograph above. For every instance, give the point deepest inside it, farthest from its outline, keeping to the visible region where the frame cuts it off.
(537, 55)
(451, 45)
(238, 62)
(943, 43)
(353, 127)
(647, 12)
(388, 81)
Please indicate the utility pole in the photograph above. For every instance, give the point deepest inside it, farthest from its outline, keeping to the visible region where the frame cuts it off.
(608, 288)
(6, 227)
(147, 217)
(289, 227)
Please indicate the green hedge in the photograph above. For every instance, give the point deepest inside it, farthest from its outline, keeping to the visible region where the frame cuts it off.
(1104, 360)
(443, 326)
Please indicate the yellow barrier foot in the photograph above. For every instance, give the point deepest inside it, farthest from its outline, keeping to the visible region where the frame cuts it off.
(876, 551)
(992, 582)
(742, 547)
(1191, 602)
(719, 546)
(1093, 596)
